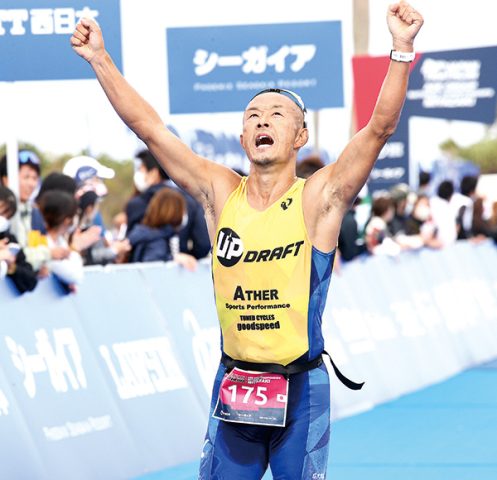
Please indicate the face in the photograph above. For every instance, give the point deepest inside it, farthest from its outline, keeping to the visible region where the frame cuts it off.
(28, 181)
(273, 129)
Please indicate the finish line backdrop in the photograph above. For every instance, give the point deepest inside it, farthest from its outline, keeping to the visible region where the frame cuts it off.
(114, 381)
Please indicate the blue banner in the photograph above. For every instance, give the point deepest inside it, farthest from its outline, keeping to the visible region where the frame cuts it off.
(219, 69)
(143, 364)
(73, 422)
(18, 456)
(34, 37)
(193, 318)
(455, 85)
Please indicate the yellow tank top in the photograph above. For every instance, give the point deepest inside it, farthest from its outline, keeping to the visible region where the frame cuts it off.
(270, 283)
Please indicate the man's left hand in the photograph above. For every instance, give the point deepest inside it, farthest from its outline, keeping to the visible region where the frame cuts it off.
(404, 23)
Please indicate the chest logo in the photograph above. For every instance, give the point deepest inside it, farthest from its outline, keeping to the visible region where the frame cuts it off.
(286, 203)
(229, 247)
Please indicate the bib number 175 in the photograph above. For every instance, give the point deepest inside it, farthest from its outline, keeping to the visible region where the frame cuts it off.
(257, 398)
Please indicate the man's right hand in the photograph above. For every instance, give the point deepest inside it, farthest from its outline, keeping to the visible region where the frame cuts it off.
(87, 40)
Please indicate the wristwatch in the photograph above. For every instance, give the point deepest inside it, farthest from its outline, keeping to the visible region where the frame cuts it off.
(406, 57)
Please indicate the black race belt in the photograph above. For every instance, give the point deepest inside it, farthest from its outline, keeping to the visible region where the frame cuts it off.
(291, 369)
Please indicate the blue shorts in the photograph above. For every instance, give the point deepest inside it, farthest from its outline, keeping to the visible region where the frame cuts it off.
(234, 451)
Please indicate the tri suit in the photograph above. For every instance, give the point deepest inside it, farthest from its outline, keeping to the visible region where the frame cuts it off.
(270, 286)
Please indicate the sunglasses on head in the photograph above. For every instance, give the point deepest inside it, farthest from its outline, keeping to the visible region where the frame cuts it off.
(286, 93)
(25, 156)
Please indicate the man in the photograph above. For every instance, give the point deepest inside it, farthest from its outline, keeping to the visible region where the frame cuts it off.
(274, 239)
(149, 178)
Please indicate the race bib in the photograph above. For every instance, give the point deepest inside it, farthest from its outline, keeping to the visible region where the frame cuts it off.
(257, 398)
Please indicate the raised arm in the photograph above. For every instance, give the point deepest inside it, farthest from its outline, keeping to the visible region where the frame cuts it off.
(334, 187)
(192, 172)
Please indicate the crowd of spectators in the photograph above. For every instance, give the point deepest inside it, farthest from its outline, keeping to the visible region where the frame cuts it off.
(55, 226)
(402, 219)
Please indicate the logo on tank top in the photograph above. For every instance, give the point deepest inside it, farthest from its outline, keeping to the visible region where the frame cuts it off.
(230, 250)
(229, 247)
(285, 204)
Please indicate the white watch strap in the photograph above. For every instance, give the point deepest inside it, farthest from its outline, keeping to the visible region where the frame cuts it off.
(402, 56)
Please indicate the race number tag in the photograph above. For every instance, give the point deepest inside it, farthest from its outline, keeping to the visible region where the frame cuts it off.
(256, 398)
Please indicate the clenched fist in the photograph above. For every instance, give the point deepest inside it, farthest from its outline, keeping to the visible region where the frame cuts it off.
(87, 40)
(404, 23)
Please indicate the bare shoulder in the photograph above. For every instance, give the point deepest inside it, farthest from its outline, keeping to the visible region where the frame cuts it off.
(223, 181)
(323, 208)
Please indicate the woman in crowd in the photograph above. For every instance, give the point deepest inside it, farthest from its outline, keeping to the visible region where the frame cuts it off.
(59, 213)
(164, 217)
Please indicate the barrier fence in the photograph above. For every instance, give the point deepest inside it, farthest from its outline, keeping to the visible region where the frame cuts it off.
(114, 381)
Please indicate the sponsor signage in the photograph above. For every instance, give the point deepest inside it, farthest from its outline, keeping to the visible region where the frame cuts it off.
(454, 85)
(34, 37)
(219, 69)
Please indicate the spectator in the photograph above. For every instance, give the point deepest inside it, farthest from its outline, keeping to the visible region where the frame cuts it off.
(150, 178)
(57, 181)
(424, 183)
(13, 262)
(399, 195)
(88, 174)
(37, 251)
(350, 243)
(379, 239)
(90, 238)
(480, 225)
(150, 239)
(29, 177)
(443, 214)
(59, 211)
(308, 166)
(462, 203)
(100, 252)
(420, 223)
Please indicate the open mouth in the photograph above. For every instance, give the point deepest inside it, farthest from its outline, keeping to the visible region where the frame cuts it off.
(263, 140)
